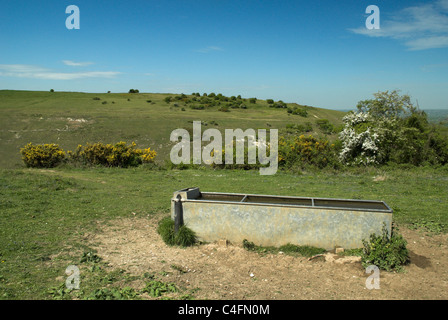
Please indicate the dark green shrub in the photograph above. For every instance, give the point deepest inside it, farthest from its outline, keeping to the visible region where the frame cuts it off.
(279, 105)
(248, 245)
(325, 126)
(308, 127)
(298, 111)
(387, 252)
(185, 236)
(197, 107)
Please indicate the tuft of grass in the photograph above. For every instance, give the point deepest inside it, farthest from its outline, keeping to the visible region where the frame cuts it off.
(351, 252)
(306, 251)
(157, 288)
(126, 293)
(289, 249)
(90, 257)
(185, 237)
(429, 225)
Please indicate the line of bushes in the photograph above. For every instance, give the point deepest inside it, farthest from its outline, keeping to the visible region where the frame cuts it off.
(198, 102)
(109, 155)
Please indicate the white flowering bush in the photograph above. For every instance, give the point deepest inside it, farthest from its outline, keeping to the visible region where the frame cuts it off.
(359, 141)
(354, 118)
(389, 129)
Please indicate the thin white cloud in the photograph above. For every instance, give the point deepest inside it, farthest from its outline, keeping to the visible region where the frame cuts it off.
(433, 67)
(76, 64)
(418, 27)
(36, 72)
(209, 49)
(426, 43)
(20, 68)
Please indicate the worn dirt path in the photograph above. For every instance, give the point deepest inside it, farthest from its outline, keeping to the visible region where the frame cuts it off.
(230, 272)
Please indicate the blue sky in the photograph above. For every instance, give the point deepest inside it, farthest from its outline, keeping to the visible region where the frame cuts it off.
(318, 53)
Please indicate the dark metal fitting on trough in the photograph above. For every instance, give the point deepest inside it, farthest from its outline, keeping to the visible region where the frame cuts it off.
(178, 213)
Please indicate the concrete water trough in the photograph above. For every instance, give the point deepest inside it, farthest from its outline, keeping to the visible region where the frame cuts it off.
(270, 220)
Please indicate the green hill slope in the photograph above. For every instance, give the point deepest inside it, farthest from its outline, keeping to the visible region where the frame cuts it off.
(73, 118)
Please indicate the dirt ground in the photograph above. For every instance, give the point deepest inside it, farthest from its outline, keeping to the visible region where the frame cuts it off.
(218, 271)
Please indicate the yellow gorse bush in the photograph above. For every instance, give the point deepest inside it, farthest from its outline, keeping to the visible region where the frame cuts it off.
(148, 155)
(111, 155)
(42, 155)
(117, 155)
(305, 150)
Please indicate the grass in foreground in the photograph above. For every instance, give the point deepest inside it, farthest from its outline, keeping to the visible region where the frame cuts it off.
(46, 215)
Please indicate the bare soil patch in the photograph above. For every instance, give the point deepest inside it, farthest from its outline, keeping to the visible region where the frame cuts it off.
(218, 271)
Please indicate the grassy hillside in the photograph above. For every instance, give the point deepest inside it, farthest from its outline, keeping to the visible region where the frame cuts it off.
(49, 216)
(72, 118)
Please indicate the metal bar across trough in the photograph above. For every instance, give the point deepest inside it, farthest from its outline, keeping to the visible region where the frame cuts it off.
(271, 220)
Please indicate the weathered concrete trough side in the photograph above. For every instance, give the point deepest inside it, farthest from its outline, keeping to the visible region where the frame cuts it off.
(278, 220)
